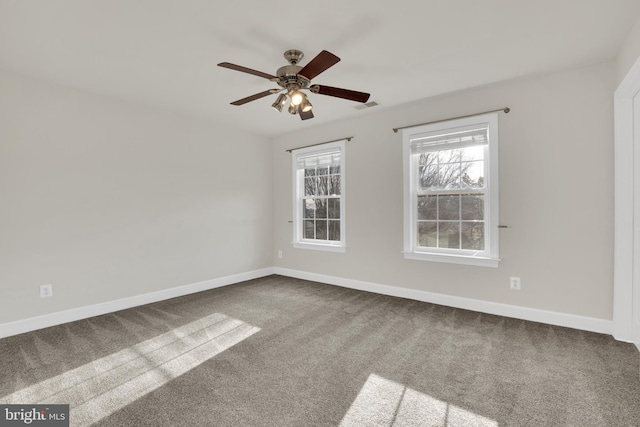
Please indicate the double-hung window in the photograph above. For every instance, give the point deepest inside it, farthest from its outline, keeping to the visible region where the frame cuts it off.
(319, 203)
(451, 191)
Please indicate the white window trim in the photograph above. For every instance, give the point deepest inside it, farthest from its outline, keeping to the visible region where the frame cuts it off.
(324, 245)
(489, 257)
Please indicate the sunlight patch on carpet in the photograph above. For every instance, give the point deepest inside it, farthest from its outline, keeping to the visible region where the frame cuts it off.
(382, 402)
(100, 388)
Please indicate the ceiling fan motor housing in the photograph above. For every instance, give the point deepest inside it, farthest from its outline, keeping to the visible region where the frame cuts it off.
(288, 76)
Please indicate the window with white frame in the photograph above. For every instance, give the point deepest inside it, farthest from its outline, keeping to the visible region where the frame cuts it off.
(451, 191)
(319, 197)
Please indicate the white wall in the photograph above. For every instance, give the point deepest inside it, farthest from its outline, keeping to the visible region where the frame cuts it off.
(107, 200)
(556, 195)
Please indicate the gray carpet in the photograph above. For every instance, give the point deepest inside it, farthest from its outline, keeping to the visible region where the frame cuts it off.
(285, 352)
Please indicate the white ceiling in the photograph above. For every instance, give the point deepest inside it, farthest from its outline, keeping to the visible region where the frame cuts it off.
(164, 52)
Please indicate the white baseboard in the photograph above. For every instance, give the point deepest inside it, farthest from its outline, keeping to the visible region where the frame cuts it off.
(47, 320)
(549, 317)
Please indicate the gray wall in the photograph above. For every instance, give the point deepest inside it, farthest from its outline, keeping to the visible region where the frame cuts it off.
(556, 195)
(629, 53)
(107, 200)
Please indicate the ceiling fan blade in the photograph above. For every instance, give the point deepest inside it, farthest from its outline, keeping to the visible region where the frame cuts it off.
(247, 70)
(306, 116)
(340, 93)
(322, 62)
(252, 97)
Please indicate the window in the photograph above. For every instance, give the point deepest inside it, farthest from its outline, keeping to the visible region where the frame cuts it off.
(451, 191)
(319, 211)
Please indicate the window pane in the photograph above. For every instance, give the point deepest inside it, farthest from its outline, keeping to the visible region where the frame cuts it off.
(334, 188)
(428, 176)
(472, 153)
(449, 176)
(334, 230)
(334, 208)
(310, 172)
(428, 207)
(473, 174)
(472, 207)
(428, 234)
(449, 156)
(334, 169)
(428, 159)
(321, 208)
(449, 207)
(310, 186)
(449, 235)
(309, 208)
(322, 183)
(321, 229)
(308, 230)
(473, 235)
(322, 171)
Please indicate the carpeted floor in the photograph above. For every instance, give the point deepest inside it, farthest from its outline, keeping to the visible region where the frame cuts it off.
(285, 352)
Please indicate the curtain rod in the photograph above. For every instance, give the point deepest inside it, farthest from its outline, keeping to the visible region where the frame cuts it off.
(348, 138)
(506, 110)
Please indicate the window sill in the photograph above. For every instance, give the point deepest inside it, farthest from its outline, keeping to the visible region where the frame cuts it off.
(320, 247)
(454, 259)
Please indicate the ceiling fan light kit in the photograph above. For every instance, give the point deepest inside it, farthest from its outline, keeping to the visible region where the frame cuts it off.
(305, 105)
(296, 97)
(280, 101)
(293, 79)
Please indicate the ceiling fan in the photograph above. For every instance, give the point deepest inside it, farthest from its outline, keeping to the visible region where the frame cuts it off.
(293, 79)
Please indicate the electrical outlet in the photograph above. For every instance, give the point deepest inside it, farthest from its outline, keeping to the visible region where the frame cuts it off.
(280, 254)
(514, 283)
(46, 291)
